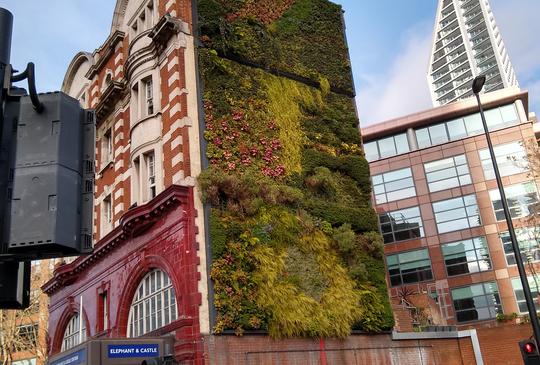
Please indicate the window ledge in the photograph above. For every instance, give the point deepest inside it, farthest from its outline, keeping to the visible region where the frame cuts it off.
(107, 165)
(144, 119)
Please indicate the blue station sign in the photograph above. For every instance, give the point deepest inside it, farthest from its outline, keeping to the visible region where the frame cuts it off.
(134, 350)
(74, 358)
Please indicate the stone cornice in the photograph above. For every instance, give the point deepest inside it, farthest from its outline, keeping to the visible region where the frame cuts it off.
(104, 52)
(133, 223)
(108, 99)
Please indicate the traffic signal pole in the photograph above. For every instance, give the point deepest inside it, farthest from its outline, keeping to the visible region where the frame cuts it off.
(6, 26)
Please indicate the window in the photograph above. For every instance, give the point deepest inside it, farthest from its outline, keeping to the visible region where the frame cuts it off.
(143, 98)
(522, 200)
(447, 173)
(476, 302)
(26, 337)
(455, 214)
(409, 267)
(107, 147)
(153, 306)
(107, 210)
(394, 185)
(528, 239)
(534, 284)
(73, 335)
(148, 96)
(386, 147)
(24, 362)
(135, 101)
(466, 257)
(145, 176)
(144, 20)
(469, 125)
(401, 225)
(151, 174)
(511, 159)
(103, 312)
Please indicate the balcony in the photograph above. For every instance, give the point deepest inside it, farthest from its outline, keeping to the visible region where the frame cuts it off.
(478, 32)
(467, 9)
(486, 67)
(480, 22)
(445, 70)
(447, 24)
(483, 58)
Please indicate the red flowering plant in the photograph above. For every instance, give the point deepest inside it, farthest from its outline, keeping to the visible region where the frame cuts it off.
(238, 140)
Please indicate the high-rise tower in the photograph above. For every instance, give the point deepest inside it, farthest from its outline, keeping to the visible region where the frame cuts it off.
(466, 43)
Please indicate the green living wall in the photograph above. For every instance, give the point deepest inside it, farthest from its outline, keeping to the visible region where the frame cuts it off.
(295, 244)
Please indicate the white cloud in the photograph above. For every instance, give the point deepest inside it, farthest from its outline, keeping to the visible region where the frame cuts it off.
(402, 88)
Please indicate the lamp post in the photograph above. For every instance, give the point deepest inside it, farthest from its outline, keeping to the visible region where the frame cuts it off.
(477, 85)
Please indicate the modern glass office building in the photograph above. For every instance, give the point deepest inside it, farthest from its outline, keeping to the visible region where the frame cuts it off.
(466, 43)
(445, 237)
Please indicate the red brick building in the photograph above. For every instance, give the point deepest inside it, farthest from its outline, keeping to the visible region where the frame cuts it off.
(147, 275)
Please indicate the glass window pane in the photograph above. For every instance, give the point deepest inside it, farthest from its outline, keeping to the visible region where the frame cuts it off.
(401, 225)
(522, 200)
(422, 138)
(438, 134)
(476, 302)
(149, 312)
(456, 129)
(473, 124)
(387, 147)
(455, 214)
(393, 185)
(468, 256)
(493, 118)
(371, 151)
(402, 144)
(409, 267)
(509, 113)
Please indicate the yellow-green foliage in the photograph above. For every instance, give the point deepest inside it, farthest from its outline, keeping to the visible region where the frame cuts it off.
(294, 243)
(284, 100)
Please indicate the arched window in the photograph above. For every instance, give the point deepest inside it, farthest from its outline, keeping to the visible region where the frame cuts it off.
(72, 334)
(153, 306)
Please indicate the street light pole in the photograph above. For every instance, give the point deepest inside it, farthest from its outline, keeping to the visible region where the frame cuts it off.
(477, 86)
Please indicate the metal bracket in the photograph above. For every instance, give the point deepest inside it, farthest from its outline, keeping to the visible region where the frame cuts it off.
(30, 75)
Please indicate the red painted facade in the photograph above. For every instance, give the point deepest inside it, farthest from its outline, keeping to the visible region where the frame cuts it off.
(158, 235)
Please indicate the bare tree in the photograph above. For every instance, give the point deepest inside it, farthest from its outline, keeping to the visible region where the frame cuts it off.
(529, 237)
(23, 332)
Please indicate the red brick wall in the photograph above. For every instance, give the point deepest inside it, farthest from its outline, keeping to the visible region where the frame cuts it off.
(500, 344)
(158, 235)
(355, 350)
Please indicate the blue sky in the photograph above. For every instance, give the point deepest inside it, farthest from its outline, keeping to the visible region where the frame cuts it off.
(389, 41)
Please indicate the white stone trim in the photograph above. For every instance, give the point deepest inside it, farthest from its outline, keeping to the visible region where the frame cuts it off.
(118, 70)
(118, 165)
(118, 124)
(118, 193)
(169, 4)
(175, 109)
(118, 208)
(174, 77)
(118, 137)
(118, 58)
(176, 142)
(172, 63)
(178, 177)
(176, 92)
(177, 159)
